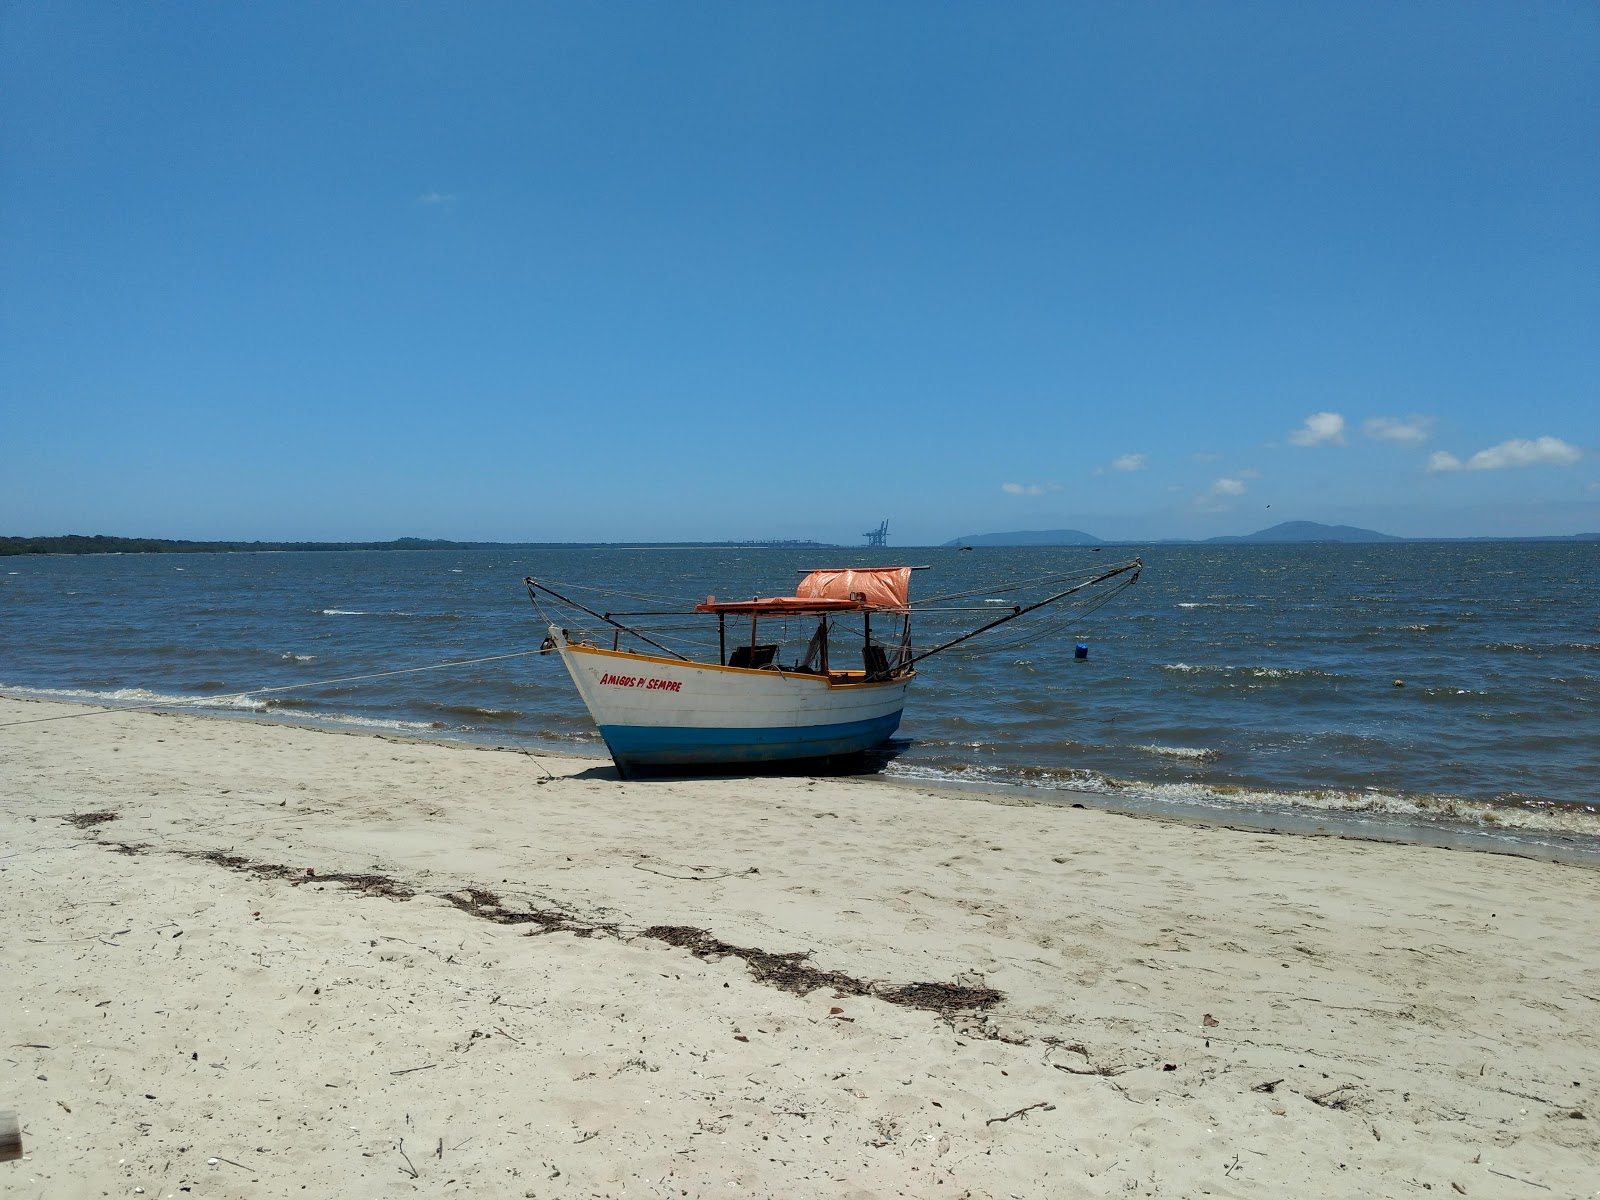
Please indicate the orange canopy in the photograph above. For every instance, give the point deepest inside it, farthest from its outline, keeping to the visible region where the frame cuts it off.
(827, 591)
(877, 587)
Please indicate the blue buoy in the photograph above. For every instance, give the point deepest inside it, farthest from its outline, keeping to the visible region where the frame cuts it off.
(1080, 651)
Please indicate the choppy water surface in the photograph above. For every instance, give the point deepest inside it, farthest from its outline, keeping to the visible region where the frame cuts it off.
(1235, 679)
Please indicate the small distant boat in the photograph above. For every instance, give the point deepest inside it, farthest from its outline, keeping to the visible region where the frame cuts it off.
(657, 707)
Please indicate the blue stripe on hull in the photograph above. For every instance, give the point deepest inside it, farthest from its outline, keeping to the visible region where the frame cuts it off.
(662, 745)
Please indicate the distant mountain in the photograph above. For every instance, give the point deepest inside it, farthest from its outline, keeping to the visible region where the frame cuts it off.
(1310, 531)
(1029, 537)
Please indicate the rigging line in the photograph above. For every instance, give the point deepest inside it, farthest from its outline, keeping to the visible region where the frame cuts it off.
(1042, 581)
(609, 591)
(925, 614)
(675, 613)
(1021, 584)
(459, 662)
(293, 687)
(1075, 618)
(596, 636)
(1135, 566)
(533, 584)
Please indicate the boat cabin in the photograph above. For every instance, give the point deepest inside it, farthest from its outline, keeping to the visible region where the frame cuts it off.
(825, 595)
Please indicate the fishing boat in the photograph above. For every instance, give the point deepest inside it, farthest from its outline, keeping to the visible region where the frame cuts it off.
(658, 707)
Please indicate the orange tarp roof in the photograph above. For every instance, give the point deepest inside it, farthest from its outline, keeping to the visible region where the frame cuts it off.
(878, 587)
(824, 591)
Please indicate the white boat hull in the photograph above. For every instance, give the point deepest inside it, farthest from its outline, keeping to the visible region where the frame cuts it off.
(658, 711)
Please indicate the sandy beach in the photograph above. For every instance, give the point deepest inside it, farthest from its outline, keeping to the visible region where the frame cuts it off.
(244, 959)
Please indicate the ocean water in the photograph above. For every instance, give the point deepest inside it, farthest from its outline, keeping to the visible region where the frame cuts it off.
(1244, 682)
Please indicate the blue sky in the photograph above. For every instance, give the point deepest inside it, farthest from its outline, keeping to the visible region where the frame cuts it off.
(657, 271)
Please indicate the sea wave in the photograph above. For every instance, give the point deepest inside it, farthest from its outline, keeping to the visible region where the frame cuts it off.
(388, 723)
(587, 736)
(138, 697)
(388, 612)
(1187, 753)
(1518, 814)
(473, 712)
(238, 702)
(1182, 668)
(1541, 648)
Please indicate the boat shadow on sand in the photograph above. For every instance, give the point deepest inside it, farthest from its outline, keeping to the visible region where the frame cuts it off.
(835, 766)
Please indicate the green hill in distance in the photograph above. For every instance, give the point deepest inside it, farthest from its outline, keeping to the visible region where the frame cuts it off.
(1309, 531)
(1286, 533)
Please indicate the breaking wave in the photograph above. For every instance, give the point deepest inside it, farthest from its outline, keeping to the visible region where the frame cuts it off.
(1515, 814)
(1185, 753)
(138, 697)
(237, 702)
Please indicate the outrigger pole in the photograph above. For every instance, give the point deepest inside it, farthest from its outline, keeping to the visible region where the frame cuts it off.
(1135, 566)
(533, 584)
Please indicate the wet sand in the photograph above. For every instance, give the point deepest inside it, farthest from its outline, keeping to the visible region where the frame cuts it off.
(255, 960)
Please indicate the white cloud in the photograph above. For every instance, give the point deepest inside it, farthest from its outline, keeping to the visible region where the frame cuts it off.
(1540, 452)
(1128, 462)
(1393, 429)
(1215, 497)
(1248, 473)
(1320, 428)
(1029, 489)
(437, 200)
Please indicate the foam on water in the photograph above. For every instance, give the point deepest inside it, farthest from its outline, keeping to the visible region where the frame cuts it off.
(1181, 668)
(359, 722)
(1541, 817)
(138, 697)
(1189, 753)
(239, 703)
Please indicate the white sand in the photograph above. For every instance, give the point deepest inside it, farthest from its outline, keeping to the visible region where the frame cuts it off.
(195, 1029)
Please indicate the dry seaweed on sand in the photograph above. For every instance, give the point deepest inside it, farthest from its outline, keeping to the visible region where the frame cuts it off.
(487, 906)
(88, 820)
(794, 973)
(791, 972)
(371, 884)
